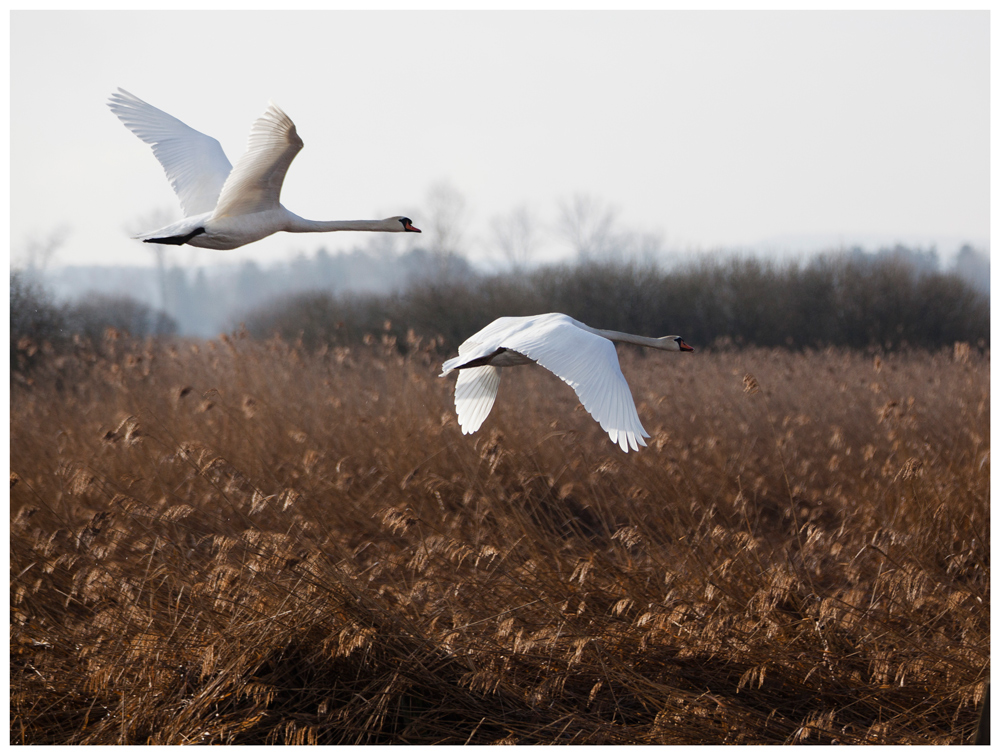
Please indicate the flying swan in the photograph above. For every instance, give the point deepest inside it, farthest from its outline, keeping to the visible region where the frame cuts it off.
(226, 207)
(579, 355)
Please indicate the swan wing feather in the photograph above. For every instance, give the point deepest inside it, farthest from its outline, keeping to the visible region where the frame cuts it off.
(195, 163)
(254, 185)
(589, 364)
(475, 392)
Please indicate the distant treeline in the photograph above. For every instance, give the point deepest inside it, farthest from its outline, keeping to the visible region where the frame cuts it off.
(894, 299)
(854, 300)
(39, 325)
(202, 301)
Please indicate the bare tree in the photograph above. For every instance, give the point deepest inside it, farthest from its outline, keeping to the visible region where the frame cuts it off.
(39, 251)
(384, 246)
(639, 246)
(446, 218)
(973, 267)
(588, 224)
(156, 219)
(516, 236)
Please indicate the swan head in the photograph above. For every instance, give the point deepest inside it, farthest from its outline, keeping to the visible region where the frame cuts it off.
(674, 343)
(406, 223)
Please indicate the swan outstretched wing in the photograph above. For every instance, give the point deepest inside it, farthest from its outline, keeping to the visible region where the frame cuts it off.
(194, 163)
(255, 182)
(476, 387)
(475, 392)
(485, 342)
(589, 364)
(490, 338)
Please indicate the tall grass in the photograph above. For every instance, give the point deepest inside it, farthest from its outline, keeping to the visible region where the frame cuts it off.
(248, 542)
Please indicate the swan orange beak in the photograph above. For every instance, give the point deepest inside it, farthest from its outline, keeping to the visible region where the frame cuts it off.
(684, 346)
(411, 228)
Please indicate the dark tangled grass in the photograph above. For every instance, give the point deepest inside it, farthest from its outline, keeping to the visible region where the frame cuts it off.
(239, 542)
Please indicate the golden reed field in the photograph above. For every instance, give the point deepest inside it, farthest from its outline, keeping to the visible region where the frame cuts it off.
(238, 542)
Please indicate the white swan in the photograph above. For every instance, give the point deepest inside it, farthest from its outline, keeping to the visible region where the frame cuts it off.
(580, 355)
(227, 207)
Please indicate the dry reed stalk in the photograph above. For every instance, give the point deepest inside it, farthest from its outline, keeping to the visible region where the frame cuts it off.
(321, 557)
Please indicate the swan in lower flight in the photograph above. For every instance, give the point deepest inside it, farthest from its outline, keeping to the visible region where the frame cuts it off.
(579, 355)
(226, 207)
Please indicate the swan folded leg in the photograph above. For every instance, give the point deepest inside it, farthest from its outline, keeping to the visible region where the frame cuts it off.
(175, 240)
(179, 232)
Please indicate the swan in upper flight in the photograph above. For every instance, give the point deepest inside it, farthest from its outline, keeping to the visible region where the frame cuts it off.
(579, 355)
(226, 207)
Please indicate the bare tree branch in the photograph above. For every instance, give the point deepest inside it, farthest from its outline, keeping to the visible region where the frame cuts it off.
(516, 236)
(588, 224)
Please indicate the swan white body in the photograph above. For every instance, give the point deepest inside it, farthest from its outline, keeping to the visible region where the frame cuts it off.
(581, 356)
(226, 207)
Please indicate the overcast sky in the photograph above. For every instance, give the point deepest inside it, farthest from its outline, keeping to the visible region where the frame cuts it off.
(706, 129)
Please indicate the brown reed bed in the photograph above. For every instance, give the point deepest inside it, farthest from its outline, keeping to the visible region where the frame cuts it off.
(240, 542)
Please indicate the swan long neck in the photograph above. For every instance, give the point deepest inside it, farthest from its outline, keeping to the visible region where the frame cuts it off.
(301, 225)
(654, 343)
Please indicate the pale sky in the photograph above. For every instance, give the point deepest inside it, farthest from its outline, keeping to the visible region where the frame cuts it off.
(706, 129)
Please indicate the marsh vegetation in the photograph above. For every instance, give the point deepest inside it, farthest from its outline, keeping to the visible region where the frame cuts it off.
(250, 541)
